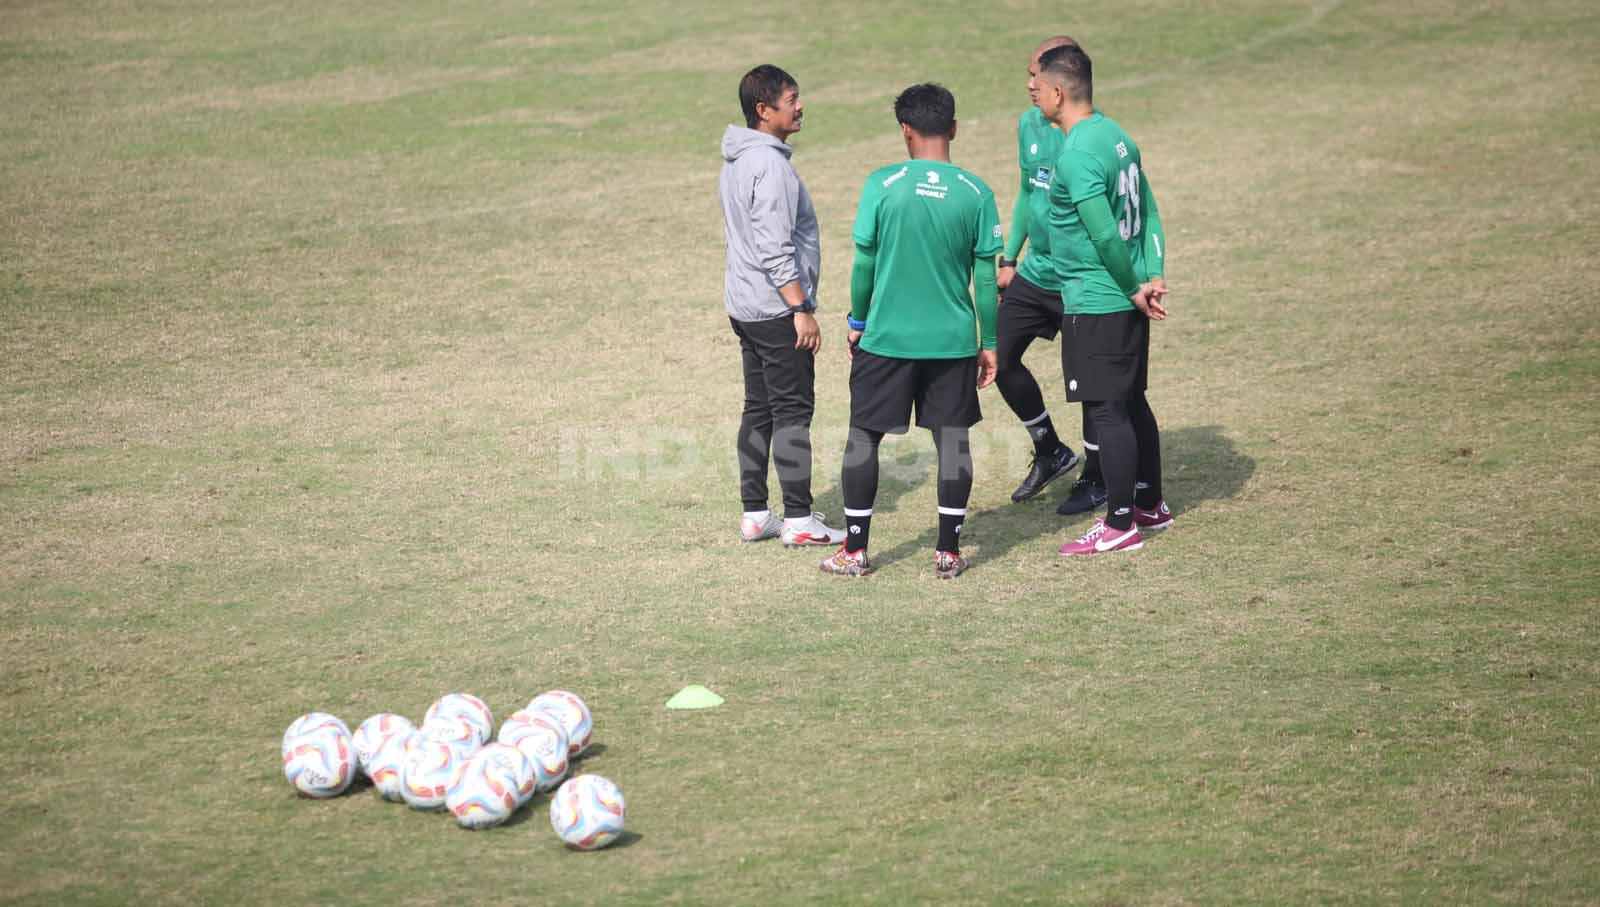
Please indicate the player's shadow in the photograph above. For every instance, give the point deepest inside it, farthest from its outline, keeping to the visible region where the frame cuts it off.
(1199, 463)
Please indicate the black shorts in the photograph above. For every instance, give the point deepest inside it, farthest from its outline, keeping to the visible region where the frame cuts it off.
(883, 392)
(1027, 310)
(1105, 357)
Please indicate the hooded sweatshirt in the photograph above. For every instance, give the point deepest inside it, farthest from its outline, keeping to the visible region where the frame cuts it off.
(770, 224)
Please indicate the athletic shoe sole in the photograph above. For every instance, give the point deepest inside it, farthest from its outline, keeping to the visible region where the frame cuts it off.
(812, 542)
(1134, 547)
(849, 571)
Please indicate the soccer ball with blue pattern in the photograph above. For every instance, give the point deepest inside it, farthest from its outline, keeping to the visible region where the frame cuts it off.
(387, 766)
(494, 782)
(587, 812)
(317, 756)
(541, 738)
(573, 714)
(468, 708)
(430, 768)
(371, 734)
(456, 730)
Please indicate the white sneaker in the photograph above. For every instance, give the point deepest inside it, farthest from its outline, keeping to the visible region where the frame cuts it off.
(756, 530)
(810, 531)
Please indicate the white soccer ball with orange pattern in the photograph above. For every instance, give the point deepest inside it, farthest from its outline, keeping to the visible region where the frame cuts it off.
(588, 812)
(429, 770)
(317, 756)
(540, 737)
(370, 735)
(467, 707)
(494, 782)
(573, 714)
(387, 766)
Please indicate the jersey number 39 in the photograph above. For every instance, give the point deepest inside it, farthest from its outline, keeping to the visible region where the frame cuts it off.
(1128, 190)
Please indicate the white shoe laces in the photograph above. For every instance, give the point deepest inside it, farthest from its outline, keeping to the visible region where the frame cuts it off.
(1094, 533)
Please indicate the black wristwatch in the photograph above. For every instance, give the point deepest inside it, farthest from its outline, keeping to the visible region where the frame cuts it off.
(1007, 262)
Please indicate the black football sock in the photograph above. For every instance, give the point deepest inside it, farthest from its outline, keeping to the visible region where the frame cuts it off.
(859, 482)
(1045, 440)
(1091, 451)
(955, 484)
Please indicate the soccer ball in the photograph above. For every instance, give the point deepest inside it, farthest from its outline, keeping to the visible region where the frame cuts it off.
(587, 812)
(574, 716)
(540, 737)
(465, 706)
(387, 766)
(428, 771)
(455, 730)
(317, 758)
(370, 735)
(491, 786)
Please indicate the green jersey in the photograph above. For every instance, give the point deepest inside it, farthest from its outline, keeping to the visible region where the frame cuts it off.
(1099, 159)
(925, 223)
(1038, 145)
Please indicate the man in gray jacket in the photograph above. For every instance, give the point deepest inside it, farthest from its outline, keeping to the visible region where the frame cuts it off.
(774, 256)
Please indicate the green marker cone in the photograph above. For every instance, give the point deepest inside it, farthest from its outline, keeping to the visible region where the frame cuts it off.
(694, 696)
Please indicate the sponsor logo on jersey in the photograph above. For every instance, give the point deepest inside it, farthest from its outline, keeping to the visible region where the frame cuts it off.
(931, 187)
(1041, 178)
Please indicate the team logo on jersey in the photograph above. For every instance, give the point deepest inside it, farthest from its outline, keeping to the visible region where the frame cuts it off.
(933, 176)
(1041, 177)
(1122, 150)
(931, 187)
(1034, 148)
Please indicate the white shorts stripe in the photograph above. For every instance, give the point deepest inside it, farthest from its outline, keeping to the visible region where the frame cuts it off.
(952, 511)
(849, 512)
(1036, 419)
(1088, 446)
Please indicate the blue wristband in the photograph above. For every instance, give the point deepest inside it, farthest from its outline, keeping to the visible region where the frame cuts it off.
(854, 324)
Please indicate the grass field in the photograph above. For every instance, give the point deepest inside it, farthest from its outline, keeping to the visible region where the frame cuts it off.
(353, 356)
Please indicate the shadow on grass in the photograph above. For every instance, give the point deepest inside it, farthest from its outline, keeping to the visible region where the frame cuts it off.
(1199, 463)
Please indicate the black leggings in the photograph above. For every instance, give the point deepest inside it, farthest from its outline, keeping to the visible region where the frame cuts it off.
(1130, 455)
(859, 477)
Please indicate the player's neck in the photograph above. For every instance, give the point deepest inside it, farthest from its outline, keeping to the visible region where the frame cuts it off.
(928, 149)
(1072, 116)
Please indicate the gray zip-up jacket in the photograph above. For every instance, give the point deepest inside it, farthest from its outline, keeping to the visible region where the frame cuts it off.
(771, 226)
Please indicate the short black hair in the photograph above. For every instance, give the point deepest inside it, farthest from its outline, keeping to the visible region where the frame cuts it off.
(763, 85)
(1072, 67)
(929, 109)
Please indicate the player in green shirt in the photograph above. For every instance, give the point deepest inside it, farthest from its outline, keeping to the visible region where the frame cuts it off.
(1030, 306)
(922, 321)
(1107, 246)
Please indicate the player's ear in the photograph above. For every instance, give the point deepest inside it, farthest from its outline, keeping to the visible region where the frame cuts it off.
(953, 124)
(905, 131)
